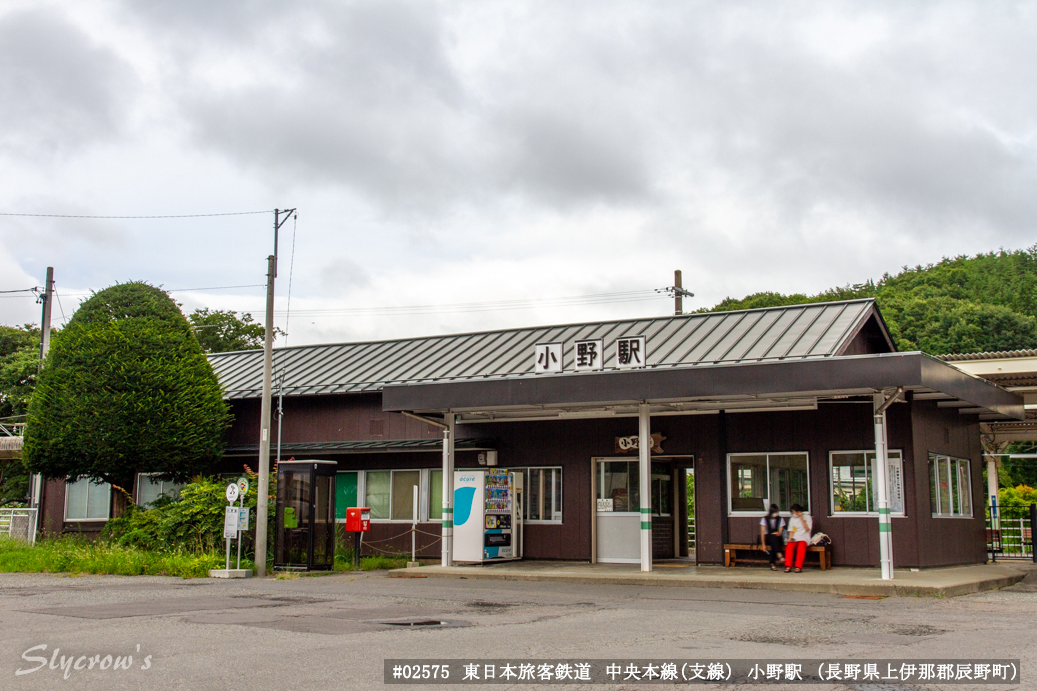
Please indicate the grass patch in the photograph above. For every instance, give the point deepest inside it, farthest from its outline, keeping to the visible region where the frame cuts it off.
(80, 556)
(344, 562)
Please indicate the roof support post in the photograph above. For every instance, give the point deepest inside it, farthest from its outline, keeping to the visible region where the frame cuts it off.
(992, 488)
(880, 480)
(448, 491)
(644, 449)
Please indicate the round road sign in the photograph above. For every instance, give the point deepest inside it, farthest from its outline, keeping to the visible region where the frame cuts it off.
(243, 485)
(232, 492)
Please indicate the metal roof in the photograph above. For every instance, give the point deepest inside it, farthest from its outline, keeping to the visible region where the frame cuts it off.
(796, 332)
(996, 355)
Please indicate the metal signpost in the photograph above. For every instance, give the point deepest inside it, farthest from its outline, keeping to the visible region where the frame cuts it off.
(230, 518)
(235, 521)
(242, 485)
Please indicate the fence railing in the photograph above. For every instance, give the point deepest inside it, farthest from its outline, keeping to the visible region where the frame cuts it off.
(691, 532)
(1010, 533)
(19, 524)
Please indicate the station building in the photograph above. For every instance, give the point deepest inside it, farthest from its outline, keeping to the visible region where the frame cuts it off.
(761, 406)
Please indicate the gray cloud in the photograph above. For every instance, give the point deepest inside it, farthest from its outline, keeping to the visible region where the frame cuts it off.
(573, 108)
(344, 274)
(58, 90)
(553, 146)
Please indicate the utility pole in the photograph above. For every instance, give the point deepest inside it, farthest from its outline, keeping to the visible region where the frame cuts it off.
(263, 489)
(47, 298)
(679, 293)
(36, 484)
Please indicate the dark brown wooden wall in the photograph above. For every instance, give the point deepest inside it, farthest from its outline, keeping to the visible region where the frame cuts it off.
(946, 541)
(915, 428)
(833, 427)
(353, 417)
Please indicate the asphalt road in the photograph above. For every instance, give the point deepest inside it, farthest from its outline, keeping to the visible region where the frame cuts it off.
(330, 632)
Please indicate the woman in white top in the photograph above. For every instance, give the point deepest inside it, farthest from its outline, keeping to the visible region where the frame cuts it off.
(800, 525)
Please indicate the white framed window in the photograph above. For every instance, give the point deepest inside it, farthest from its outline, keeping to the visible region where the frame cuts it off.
(390, 494)
(543, 494)
(757, 480)
(950, 486)
(86, 500)
(150, 488)
(852, 486)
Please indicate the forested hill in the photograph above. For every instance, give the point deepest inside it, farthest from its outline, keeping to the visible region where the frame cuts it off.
(960, 305)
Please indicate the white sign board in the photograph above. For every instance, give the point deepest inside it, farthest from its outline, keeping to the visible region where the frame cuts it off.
(548, 358)
(243, 485)
(631, 352)
(230, 522)
(232, 492)
(242, 520)
(589, 355)
(604, 505)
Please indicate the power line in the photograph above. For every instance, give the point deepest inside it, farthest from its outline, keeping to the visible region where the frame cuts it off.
(291, 270)
(63, 317)
(500, 305)
(232, 213)
(184, 290)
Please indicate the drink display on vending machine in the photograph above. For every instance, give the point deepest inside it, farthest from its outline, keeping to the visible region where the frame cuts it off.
(484, 515)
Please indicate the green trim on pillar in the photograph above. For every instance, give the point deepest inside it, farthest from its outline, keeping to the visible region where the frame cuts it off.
(448, 509)
(885, 528)
(448, 524)
(883, 512)
(646, 525)
(643, 510)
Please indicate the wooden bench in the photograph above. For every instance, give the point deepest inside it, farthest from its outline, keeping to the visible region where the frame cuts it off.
(824, 553)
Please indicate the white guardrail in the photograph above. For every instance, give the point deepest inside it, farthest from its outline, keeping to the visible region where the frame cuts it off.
(19, 524)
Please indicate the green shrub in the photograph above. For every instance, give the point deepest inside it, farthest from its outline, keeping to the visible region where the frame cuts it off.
(193, 522)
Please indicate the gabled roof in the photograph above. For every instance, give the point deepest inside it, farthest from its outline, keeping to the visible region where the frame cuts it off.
(797, 332)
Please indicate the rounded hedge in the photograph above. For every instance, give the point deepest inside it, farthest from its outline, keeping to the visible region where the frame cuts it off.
(126, 388)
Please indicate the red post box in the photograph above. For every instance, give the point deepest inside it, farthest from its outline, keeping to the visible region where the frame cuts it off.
(358, 520)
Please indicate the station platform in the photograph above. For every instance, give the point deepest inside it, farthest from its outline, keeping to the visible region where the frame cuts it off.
(852, 582)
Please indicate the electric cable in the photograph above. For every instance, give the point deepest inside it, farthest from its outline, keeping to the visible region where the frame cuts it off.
(232, 213)
(291, 271)
(62, 309)
(502, 305)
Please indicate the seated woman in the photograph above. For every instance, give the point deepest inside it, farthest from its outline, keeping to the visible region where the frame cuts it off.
(771, 527)
(800, 525)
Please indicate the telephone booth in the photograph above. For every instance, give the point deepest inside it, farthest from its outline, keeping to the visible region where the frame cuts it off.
(305, 520)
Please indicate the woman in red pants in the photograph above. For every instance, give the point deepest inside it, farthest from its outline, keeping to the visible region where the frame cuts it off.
(800, 525)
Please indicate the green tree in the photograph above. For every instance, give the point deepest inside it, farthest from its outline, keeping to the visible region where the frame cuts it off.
(959, 305)
(125, 389)
(221, 331)
(19, 364)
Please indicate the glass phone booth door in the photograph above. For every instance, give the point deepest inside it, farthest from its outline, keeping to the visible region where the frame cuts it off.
(305, 515)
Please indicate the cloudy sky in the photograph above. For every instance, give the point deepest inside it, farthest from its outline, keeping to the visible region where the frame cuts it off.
(483, 152)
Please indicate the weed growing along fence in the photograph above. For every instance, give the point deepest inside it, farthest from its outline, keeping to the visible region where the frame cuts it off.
(79, 555)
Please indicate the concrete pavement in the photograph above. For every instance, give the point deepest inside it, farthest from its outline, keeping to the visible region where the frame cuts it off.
(942, 582)
(334, 631)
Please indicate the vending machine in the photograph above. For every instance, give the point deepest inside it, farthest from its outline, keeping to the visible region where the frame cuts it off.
(485, 515)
